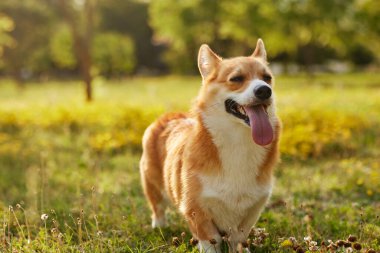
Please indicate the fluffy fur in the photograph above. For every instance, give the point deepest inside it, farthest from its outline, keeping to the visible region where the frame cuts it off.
(206, 162)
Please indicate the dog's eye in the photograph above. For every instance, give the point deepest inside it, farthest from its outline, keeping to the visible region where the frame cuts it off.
(267, 78)
(237, 79)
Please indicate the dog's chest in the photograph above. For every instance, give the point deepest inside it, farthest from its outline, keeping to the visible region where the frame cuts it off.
(234, 190)
(236, 184)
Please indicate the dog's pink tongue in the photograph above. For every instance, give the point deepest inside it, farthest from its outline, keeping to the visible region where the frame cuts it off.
(262, 132)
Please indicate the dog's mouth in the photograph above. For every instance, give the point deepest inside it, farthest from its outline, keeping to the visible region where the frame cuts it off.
(237, 110)
(256, 117)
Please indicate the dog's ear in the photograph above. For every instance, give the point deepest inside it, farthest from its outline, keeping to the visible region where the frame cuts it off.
(260, 50)
(207, 61)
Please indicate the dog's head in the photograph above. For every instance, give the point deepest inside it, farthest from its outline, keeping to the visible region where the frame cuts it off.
(242, 87)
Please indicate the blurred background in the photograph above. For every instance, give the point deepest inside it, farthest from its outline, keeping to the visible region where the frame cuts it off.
(57, 39)
(80, 80)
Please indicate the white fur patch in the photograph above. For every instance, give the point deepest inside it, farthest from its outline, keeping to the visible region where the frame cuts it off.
(158, 222)
(233, 192)
(189, 121)
(207, 247)
(247, 97)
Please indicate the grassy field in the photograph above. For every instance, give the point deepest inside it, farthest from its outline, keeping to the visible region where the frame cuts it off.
(77, 163)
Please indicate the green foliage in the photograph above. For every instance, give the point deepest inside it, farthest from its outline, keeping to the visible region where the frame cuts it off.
(29, 52)
(304, 32)
(368, 30)
(361, 56)
(61, 48)
(113, 54)
(318, 132)
(128, 17)
(312, 29)
(6, 26)
(189, 24)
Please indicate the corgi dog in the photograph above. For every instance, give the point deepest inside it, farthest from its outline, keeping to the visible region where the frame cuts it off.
(215, 163)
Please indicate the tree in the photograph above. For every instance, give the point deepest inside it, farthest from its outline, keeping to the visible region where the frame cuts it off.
(80, 19)
(61, 48)
(28, 53)
(308, 31)
(184, 26)
(113, 54)
(130, 18)
(6, 26)
(367, 34)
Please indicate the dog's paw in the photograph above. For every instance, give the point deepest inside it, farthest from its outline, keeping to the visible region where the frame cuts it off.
(243, 248)
(207, 247)
(158, 222)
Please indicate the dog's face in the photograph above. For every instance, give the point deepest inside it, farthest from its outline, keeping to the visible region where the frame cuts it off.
(243, 86)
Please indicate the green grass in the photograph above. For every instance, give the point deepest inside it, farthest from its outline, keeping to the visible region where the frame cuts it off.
(78, 163)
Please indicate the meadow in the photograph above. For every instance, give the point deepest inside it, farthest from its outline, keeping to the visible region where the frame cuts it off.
(69, 176)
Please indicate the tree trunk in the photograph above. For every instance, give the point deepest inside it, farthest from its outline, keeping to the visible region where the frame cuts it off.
(82, 42)
(285, 67)
(309, 60)
(19, 81)
(84, 59)
(88, 81)
(89, 26)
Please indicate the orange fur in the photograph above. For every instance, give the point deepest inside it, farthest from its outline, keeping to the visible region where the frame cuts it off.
(181, 153)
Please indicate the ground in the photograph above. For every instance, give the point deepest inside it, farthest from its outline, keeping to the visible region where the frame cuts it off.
(77, 163)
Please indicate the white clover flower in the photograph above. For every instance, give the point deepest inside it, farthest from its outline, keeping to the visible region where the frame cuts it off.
(313, 243)
(307, 239)
(349, 250)
(293, 240)
(313, 248)
(44, 217)
(260, 230)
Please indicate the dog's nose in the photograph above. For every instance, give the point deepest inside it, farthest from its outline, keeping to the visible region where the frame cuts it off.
(262, 92)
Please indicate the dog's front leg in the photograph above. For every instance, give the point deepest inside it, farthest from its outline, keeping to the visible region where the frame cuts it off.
(252, 216)
(203, 228)
(207, 247)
